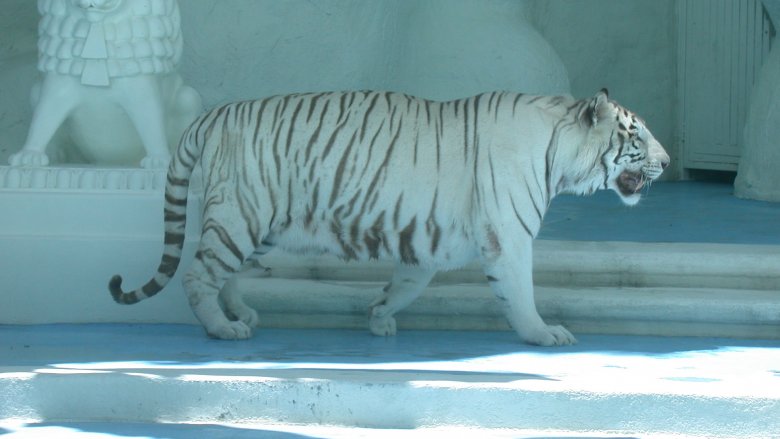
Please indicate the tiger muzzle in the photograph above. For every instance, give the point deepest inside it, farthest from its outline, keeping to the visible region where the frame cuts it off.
(631, 182)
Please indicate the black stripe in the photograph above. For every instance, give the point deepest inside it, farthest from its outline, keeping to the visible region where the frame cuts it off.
(342, 105)
(349, 252)
(275, 151)
(620, 151)
(312, 104)
(340, 171)
(431, 226)
(289, 202)
(224, 238)
(405, 246)
(332, 139)
(519, 218)
(465, 132)
(351, 205)
(532, 198)
(248, 213)
(387, 100)
(315, 198)
(416, 146)
(515, 102)
(493, 176)
(397, 211)
(366, 115)
(151, 288)
(212, 255)
(217, 114)
(128, 298)
(539, 187)
(371, 145)
(170, 199)
(293, 124)
(174, 238)
(171, 216)
(174, 181)
(315, 136)
(258, 120)
(373, 236)
(168, 264)
(384, 164)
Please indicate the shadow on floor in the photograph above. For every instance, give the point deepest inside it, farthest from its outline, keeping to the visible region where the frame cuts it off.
(166, 345)
(156, 431)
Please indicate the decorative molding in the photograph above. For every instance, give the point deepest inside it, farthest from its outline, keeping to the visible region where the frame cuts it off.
(80, 178)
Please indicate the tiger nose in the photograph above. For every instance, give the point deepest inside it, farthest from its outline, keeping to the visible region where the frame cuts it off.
(663, 158)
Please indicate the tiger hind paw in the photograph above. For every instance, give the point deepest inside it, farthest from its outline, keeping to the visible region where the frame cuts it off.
(237, 330)
(382, 326)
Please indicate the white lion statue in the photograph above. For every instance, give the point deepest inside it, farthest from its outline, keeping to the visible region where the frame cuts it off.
(110, 81)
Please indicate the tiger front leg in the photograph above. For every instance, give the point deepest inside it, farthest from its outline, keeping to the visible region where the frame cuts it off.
(509, 271)
(407, 284)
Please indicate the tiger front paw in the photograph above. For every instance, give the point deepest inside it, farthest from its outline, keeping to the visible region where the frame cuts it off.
(29, 158)
(548, 335)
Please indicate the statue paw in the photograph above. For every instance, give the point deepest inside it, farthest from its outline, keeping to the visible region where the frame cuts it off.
(155, 161)
(29, 158)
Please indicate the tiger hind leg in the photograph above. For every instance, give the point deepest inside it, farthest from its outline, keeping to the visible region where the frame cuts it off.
(222, 252)
(407, 284)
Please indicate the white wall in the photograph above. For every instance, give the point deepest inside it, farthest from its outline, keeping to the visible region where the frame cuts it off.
(440, 49)
(18, 57)
(240, 49)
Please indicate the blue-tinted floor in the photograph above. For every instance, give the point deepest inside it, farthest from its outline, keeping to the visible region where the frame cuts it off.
(735, 375)
(668, 212)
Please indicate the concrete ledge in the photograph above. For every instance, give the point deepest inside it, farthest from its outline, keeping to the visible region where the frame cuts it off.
(161, 373)
(613, 310)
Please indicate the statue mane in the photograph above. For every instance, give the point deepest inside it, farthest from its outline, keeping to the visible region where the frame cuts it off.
(124, 38)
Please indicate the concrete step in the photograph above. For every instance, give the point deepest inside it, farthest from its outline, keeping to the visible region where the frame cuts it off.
(631, 288)
(667, 311)
(591, 287)
(586, 263)
(52, 375)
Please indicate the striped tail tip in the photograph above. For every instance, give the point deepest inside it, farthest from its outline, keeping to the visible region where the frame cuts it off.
(115, 287)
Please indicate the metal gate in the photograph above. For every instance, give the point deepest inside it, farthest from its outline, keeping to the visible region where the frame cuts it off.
(722, 45)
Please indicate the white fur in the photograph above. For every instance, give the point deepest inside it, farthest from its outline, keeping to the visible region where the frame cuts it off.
(441, 184)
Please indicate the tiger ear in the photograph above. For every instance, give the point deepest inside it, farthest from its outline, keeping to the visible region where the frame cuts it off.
(596, 109)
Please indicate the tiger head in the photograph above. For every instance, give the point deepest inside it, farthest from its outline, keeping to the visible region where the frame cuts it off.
(633, 158)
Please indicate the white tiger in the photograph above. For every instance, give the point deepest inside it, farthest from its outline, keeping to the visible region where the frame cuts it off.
(379, 175)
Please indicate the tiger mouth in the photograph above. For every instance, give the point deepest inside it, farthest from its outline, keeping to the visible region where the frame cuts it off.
(630, 183)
